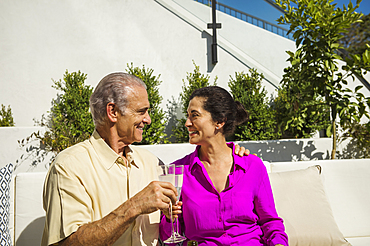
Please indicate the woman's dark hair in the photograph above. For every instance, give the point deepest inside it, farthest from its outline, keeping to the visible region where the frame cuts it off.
(222, 107)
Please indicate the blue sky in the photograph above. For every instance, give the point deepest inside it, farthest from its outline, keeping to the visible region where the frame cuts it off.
(265, 11)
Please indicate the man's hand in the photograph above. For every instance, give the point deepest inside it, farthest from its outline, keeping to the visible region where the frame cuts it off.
(156, 195)
(106, 231)
(241, 151)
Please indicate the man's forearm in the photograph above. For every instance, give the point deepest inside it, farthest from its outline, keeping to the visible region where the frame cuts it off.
(105, 231)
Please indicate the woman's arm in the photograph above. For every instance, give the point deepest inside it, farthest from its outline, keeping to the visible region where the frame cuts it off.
(271, 224)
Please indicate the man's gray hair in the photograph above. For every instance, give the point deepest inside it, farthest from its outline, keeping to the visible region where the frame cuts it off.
(113, 88)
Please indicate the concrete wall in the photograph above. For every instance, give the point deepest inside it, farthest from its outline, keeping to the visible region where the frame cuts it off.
(41, 39)
(265, 48)
(32, 158)
(29, 158)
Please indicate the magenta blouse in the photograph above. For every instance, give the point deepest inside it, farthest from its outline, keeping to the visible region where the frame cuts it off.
(242, 214)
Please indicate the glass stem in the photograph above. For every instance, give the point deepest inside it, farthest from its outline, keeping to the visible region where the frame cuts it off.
(172, 227)
(177, 225)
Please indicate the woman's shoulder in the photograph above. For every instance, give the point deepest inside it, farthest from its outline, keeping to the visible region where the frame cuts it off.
(254, 162)
(184, 160)
(252, 158)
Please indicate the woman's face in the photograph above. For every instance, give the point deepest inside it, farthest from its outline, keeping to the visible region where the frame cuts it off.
(199, 122)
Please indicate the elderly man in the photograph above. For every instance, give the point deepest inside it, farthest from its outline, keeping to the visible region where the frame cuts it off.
(103, 191)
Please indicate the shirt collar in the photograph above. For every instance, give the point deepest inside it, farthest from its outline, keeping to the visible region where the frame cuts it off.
(130, 154)
(238, 161)
(107, 155)
(194, 159)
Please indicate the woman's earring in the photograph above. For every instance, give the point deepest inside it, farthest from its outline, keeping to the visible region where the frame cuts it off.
(217, 127)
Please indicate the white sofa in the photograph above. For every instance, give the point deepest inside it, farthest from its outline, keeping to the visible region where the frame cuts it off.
(347, 187)
(346, 183)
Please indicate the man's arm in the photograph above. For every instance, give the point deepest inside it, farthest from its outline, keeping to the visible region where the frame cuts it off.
(107, 230)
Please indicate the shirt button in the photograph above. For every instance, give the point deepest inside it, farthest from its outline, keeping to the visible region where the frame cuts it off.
(219, 219)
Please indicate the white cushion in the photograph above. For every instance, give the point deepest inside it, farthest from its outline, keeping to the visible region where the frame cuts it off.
(347, 184)
(30, 216)
(301, 202)
(268, 166)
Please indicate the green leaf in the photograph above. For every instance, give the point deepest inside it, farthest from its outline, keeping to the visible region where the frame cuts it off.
(291, 54)
(358, 88)
(335, 56)
(366, 56)
(329, 131)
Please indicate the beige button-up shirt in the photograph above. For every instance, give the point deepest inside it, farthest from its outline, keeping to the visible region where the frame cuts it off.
(88, 181)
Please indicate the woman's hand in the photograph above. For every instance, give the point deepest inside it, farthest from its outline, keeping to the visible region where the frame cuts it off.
(176, 210)
(241, 151)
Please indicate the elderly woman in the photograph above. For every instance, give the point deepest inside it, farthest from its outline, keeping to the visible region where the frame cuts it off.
(226, 199)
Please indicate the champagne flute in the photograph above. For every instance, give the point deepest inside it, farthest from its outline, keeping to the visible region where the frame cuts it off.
(178, 170)
(173, 174)
(165, 176)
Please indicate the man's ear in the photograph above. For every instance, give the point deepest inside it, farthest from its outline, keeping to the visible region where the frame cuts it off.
(112, 112)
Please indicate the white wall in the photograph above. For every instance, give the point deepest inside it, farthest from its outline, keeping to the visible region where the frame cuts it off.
(264, 47)
(30, 158)
(41, 39)
(24, 159)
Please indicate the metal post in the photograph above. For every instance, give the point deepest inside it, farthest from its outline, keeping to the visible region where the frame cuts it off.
(214, 27)
(214, 43)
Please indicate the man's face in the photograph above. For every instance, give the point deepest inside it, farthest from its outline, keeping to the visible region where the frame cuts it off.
(130, 125)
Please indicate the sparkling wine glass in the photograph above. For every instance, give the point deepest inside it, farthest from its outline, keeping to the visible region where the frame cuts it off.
(173, 174)
(178, 170)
